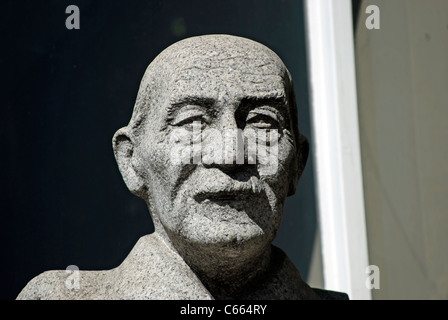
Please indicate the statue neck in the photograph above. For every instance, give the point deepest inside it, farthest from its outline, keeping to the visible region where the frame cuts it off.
(232, 278)
(222, 269)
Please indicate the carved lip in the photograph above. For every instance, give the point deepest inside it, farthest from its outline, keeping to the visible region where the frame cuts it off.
(223, 196)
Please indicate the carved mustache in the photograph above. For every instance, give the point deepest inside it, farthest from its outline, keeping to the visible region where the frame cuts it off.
(227, 189)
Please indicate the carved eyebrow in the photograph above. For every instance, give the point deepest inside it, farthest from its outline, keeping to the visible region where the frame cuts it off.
(273, 101)
(276, 101)
(177, 103)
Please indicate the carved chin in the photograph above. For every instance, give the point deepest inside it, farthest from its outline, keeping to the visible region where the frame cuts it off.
(226, 224)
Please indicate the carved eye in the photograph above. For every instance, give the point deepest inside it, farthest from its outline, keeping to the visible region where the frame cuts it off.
(262, 122)
(264, 119)
(189, 119)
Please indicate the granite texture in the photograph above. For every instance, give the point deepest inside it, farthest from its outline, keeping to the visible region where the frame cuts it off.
(214, 220)
(153, 271)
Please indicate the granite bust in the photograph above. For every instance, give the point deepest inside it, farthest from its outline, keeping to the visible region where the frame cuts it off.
(214, 149)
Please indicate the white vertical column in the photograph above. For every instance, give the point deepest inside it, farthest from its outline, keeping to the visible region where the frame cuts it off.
(336, 147)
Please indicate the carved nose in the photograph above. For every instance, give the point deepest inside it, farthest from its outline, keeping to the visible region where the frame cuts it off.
(231, 144)
(233, 163)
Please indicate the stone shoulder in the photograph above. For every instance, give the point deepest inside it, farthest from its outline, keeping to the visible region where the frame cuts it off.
(62, 285)
(150, 271)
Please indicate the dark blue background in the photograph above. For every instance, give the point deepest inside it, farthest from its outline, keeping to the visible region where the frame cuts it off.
(65, 93)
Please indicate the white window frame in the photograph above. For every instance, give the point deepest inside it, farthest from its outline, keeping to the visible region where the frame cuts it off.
(336, 146)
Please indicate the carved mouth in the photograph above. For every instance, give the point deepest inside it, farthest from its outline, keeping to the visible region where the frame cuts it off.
(228, 196)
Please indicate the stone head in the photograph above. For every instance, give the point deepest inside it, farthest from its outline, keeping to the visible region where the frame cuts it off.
(216, 83)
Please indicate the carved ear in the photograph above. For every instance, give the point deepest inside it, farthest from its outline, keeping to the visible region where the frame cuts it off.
(123, 146)
(302, 157)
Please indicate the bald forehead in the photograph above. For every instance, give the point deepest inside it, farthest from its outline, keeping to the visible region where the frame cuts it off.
(219, 65)
(208, 51)
(236, 78)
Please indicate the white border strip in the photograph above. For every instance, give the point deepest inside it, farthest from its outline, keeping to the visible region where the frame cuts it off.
(336, 145)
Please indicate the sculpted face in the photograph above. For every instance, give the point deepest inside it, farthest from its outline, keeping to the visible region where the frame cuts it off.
(217, 85)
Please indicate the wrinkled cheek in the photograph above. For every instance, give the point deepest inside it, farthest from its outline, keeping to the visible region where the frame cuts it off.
(277, 175)
(164, 176)
(276, 169)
